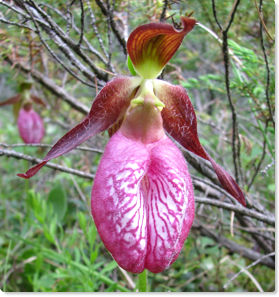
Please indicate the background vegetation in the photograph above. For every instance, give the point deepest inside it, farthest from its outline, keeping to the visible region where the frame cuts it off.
(48, 240)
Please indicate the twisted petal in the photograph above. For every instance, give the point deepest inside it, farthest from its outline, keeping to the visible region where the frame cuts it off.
(180, 122)
(11, 100)
(30, 126)
(142, 202)
(37, 100)
(151, 46)
(109, 105)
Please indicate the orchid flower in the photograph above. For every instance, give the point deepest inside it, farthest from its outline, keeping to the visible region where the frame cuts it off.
(29, 123)
(142, 199)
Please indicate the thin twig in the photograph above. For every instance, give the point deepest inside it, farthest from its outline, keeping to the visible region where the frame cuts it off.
(17, 267)
(247, 267)
(262, 20)
(14, 154)
(95, 29)
(81, 148)
(13, 8)
(267, 97)
(89, 45)
(113, 26)
(2, 20)
(233, 246)
(238, 62)
(53, 53)
(109, 31)
(130, 282)
(81, 23)
(267, 167)
(80, 193)
(215, 15)
(163, 13)
(237, 208)
(257, 169)
(52, 86)
(226, 58)
(231, 15)
(60, 34)
(250, 275)
(69, 19)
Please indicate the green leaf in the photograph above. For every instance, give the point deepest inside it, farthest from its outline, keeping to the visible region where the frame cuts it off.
(82, 222)
(57, 198)
(48, 234)
(109, 267)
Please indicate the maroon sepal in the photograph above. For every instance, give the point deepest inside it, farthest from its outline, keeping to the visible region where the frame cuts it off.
(109, 105)
(37, 100)
(180, 122)
(11, 100)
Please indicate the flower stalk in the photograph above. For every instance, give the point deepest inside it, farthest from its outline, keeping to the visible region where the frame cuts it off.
(142, 285)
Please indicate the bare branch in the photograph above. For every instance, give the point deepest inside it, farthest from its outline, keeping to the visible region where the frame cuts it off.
(2, 20)
(81, 24)
(163, 13)
(262, 20)
(87, 43)
(247, 267)
(237, 208)
(64, 49)
(50, 84)
(233, 246)
(231, 15)
(95, 29)
(267, 70)
(257, 169)
(113, 25)
(226, 58)
(60, 34)
(81, 148)
(215, 15)
(14, 154)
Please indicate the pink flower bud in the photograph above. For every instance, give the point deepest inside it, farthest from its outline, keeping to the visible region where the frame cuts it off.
(30, 126)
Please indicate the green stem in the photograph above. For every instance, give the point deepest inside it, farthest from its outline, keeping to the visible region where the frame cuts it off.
(142, 281)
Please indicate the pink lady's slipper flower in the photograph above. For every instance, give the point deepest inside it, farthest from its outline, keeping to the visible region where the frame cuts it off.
(142, 197)
(29, 123)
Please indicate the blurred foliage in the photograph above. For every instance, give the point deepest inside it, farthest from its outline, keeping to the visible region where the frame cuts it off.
(48, 241)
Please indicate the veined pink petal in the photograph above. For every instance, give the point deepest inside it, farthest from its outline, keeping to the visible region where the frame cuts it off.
(142, 202)
(107, 108)
(30, 126)
(180, 122)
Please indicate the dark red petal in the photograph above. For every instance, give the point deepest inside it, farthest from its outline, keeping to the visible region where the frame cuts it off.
(38, 100)
(156, 43)
(180, 122)
(11, 100)
(109, 105)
